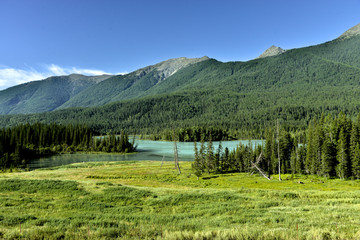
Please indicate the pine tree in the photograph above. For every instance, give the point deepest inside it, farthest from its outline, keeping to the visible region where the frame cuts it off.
(310, 150)
(218, 158)
(210, 156)
(301, 156)
(318, 146)
(268, 152)
(342, 157)
(202, 152)
(197, 166)
(328, 158)
(354, 142)
(356, 162)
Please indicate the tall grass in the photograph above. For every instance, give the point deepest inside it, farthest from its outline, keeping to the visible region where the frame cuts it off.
(160, 204)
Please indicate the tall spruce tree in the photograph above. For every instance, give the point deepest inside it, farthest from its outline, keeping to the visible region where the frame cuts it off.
(210, 155)
(342, 156)
(310, 150)
(355, 162)
(197, 165)
(268, 152)
(328, 158)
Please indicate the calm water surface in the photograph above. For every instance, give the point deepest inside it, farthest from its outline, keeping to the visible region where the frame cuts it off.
(147, 150)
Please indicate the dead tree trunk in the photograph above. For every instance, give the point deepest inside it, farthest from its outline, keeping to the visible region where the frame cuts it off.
(162, 161)
(258, 168)
(176, 155)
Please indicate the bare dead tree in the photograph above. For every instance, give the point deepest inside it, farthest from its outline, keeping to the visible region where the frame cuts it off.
(255, 165)
(162, 161)
(176, 154)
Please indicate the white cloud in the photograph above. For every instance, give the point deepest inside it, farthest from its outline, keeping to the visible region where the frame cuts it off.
(12, 76)
(56, 70)
(123, 73)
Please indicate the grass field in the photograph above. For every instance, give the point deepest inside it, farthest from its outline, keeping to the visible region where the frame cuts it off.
(141, 200)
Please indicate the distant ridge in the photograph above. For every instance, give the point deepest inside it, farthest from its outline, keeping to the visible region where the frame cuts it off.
(326, 71)
(133, 85)
(272, 51)
(170, 66)
(45, 95)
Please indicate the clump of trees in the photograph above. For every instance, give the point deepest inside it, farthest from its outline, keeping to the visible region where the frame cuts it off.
(196, 133)
(113, 143)
(331, 149)
(24, 142)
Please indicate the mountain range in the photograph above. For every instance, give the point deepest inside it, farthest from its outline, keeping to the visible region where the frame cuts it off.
(294, 85)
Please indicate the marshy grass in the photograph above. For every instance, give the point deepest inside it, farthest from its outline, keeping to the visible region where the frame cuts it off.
(142, 200)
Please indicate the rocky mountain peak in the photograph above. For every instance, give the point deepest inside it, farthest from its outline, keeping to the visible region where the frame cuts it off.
(354, 31)
(272, 51)
(167, 68)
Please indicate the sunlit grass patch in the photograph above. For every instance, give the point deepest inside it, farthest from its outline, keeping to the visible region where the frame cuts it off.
(144, 200)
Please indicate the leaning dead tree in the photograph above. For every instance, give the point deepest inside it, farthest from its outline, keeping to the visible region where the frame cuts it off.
(176, 155)
(255, 165)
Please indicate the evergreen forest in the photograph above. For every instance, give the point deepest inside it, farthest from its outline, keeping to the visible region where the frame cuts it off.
(241, 98)
(331, 149)
(24, 142)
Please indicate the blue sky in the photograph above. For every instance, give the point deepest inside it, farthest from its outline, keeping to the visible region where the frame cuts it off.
(40, 38)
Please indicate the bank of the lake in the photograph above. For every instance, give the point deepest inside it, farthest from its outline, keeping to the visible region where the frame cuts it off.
(146, 150)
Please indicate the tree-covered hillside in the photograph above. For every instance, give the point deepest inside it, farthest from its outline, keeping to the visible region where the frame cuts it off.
(130, 86)
(295, 86)
(332, 64)
(45, 95)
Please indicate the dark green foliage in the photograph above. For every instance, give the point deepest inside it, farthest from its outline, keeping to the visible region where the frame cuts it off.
(241, 98)
(46, 95)
(22, 143)
(34, 186)
(332, 149)
(190, 134)
(197, 164)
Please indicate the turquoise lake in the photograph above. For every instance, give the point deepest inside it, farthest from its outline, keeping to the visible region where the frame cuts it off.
(147, 150)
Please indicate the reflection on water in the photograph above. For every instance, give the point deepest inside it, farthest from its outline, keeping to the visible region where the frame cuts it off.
(147, 150)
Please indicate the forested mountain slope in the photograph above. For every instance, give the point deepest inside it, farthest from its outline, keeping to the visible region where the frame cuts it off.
(332, 64)
(295, 86)
(132, 85)
(45, 95)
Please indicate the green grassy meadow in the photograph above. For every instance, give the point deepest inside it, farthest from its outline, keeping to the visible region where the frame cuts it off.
(142, 200)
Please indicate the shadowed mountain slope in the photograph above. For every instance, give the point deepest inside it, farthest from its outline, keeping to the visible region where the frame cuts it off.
(45, 95)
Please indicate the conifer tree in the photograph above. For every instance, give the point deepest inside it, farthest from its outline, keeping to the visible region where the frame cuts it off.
(210, 155)
(202, 152)
(301, 156)
(328, 158)
(318, 138)
(197, 166)
(342, 157)
(218, 158)
(310, 150)
(356, 162)
(268, 152)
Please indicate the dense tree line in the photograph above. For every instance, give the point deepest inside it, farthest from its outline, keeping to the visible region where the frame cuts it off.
(248, 116)
(190, 134)
(242, 98)
(331, 149)
(22, 143)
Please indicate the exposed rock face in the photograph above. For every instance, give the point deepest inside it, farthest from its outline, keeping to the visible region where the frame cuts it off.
(354, 31)
(272, 51)
(169, 67)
